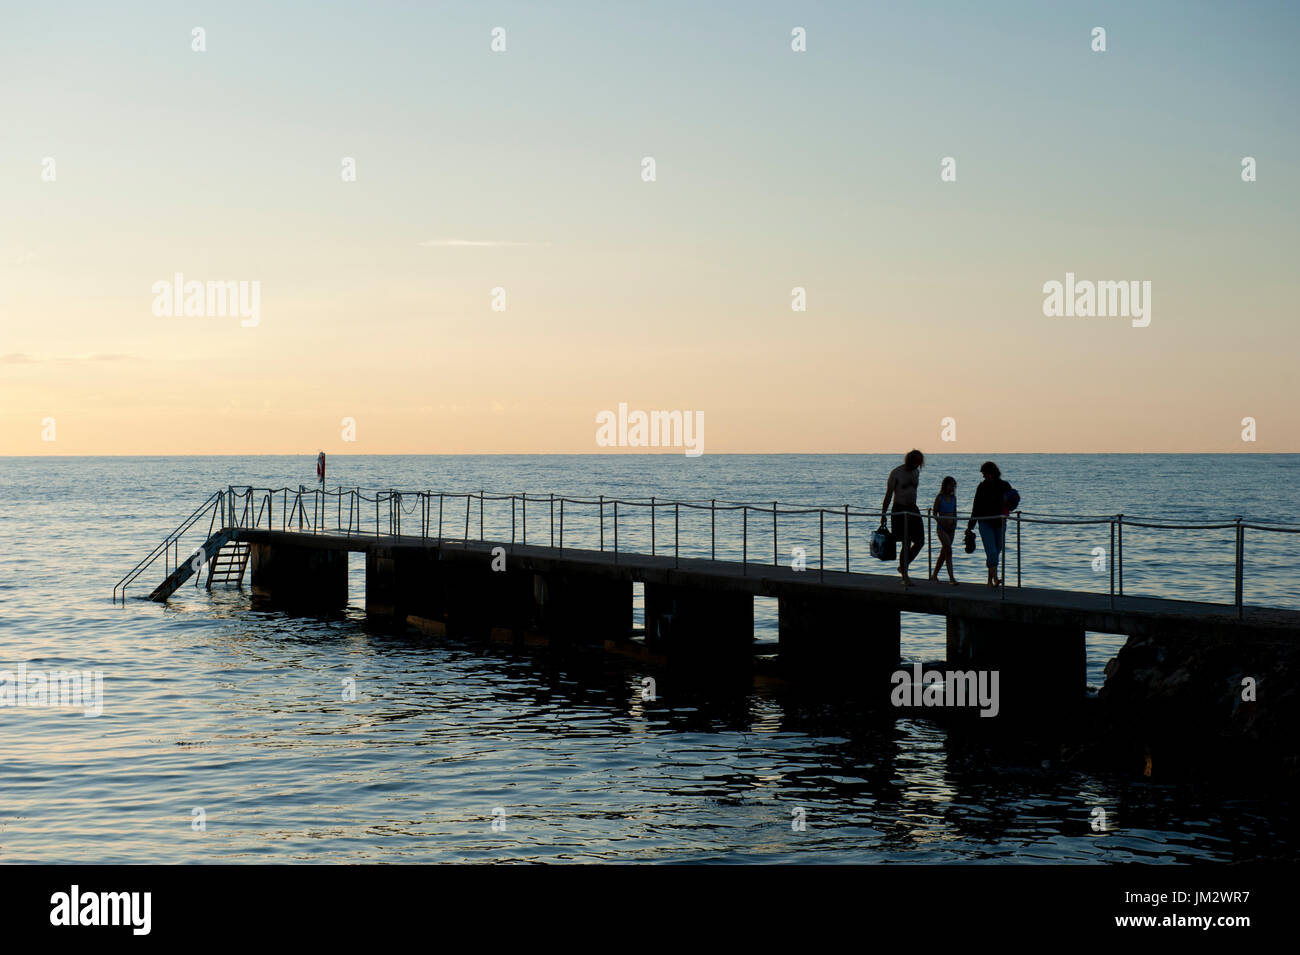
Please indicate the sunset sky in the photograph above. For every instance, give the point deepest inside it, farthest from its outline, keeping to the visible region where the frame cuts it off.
(522, 170)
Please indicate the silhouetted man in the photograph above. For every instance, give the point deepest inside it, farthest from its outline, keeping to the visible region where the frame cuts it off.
(907, 528)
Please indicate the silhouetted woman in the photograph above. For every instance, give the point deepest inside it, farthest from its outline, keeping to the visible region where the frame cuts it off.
(988, 511)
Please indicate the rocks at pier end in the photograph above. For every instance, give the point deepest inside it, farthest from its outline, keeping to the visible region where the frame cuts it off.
(1210, 705)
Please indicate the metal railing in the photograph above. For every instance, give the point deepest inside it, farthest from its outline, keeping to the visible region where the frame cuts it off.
(436, 515)
(169, 549)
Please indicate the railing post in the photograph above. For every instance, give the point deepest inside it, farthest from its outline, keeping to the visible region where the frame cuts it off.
(907, 536)
(1119, 553)
(1002, 578)
(602, 523)
(480, 513)
(469, 499)
(713, 529)
(616, 532)
(821, 544)
(523, 504)
(744, 547)
(1017, 549)
(846, 538)
(929, 537)
(1110, 559)
(652, 525)
(1240, 571)
(553, 518)
(561, 525)
(441, 495)
(677, 510)
(298, 501)
(775, 560)
(512, 520)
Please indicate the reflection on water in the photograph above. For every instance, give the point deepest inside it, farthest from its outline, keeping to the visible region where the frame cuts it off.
(211, 703)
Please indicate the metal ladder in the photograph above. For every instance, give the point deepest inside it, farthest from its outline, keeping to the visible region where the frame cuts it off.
(229, 565)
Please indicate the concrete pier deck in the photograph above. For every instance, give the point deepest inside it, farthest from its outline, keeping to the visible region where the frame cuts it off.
(1045, 607)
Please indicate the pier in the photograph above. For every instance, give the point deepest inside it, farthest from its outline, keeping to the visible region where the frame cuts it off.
(425, 566)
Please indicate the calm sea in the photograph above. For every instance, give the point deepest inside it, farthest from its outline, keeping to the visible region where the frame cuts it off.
(210, 705)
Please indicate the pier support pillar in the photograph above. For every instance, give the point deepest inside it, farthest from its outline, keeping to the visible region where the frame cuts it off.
(461, 596)
(303, 577)
(382, 590)
(582, 607)
(850, 643)
(697, 626)
(476, 601)
(1042, 670)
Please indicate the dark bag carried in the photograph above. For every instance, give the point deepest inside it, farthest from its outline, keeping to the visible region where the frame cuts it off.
(970, 542)
(1010, 499)
(882, 544)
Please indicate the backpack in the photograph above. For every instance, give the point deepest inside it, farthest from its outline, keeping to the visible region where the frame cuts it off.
(1010, 499)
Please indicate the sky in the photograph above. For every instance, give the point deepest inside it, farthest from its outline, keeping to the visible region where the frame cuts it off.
(523, 171)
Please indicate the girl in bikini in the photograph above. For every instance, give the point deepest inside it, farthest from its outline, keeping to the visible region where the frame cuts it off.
(945, 509)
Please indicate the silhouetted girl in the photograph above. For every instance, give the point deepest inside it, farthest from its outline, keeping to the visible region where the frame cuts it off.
(945, 509)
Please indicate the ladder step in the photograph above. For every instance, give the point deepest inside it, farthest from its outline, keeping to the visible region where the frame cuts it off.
(229, 564)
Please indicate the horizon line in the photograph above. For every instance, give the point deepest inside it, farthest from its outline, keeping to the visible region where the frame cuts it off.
(670, 453)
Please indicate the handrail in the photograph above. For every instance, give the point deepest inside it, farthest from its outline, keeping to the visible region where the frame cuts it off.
(766, 507)
(213, 501)
(292, 508)
(706, 503)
